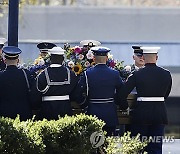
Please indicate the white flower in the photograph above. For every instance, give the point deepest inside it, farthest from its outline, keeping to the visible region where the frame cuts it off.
(110, 56)
(80, 57)
(127, 68)
(89, 55)
(71, 64)
(41, 62)
(87, 64)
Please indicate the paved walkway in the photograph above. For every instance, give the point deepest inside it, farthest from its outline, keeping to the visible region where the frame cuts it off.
(172, 148)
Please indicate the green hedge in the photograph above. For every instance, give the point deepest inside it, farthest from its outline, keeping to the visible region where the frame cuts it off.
(68, 135)
(125, 145)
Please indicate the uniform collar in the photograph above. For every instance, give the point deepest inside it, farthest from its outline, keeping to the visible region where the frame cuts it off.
(55, 65)
(100, 64)
(11, 67)
(150, 64)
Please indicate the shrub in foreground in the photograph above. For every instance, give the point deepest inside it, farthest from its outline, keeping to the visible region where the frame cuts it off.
(64, 136)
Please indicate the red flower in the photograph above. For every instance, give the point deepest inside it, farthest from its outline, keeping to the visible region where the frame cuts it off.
(112, 64)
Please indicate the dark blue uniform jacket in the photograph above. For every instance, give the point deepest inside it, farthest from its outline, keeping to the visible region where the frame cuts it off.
(103, 84)
(14, 95)
(64, 85)
(150, 81)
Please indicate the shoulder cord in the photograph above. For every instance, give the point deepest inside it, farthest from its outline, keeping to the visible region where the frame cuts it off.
(47, 87)
(87, 88)
(27, 81)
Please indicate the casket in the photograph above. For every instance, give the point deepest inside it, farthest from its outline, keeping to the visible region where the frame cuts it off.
(123, 115)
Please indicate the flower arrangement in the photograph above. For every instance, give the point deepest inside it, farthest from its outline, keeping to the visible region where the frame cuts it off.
(37, 66)
(39, 61)
(79, 58)
(42, 59)
(124, 71)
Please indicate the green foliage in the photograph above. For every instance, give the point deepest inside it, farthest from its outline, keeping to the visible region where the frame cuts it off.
(13, 140)
(125, 144)
(66, 135)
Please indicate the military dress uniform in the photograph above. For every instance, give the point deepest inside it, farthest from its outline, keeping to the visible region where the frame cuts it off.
(43, 48)
(131, 99)
(56, 84)
(97, 91)
(139, 52)
(153, 85)
(15, 87)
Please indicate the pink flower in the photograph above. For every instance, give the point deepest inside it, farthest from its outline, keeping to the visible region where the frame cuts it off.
(77, 50)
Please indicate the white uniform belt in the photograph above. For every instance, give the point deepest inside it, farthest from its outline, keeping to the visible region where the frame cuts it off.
(153, 99)
(104, 100)
(55, 98)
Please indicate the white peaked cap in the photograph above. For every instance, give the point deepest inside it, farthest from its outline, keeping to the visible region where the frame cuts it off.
(3, 40)
(56, 51)
(150, 50)
(87, 42)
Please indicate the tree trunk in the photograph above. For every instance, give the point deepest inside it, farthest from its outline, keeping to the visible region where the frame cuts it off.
(64, 2)
(47, 2)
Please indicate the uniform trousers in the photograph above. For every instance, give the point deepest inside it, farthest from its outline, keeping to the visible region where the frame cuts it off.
(155, 131)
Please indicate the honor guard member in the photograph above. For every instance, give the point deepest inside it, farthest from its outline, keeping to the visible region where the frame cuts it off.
(44, 48)
(138, 58)
(88, 44)
(2, 64)
(97, 90)
(43, 60)
(138, 63)
(56, 84)
(15, 87)
(153, 85)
